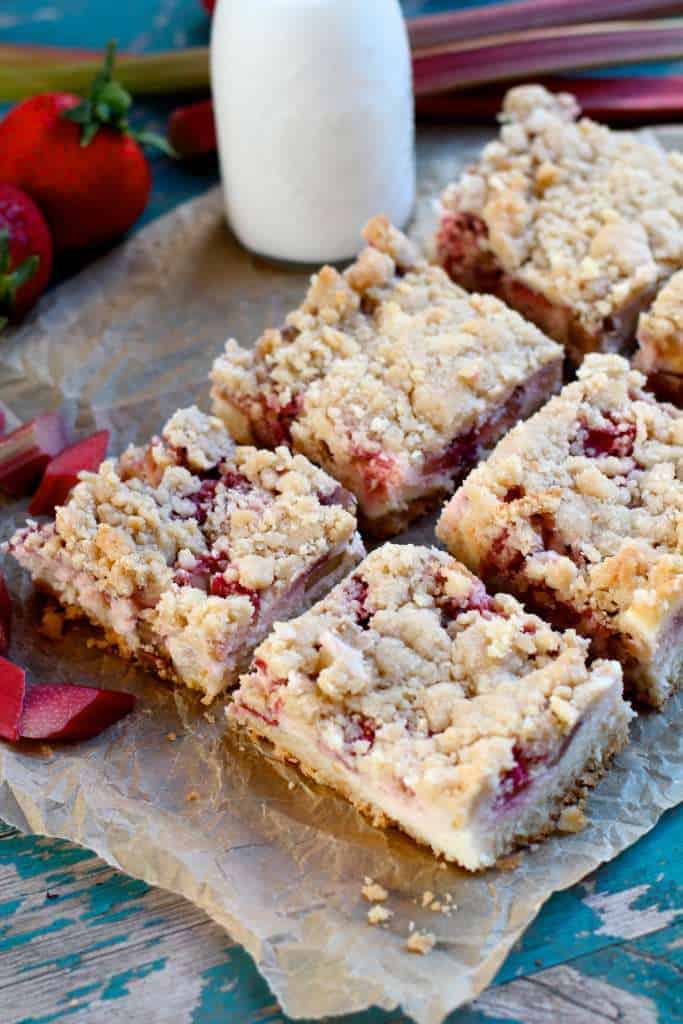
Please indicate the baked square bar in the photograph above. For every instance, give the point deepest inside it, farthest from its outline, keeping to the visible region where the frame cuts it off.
(574, 225)
(660, 341)
(430, 705)
(390, 377)
(579, 512)
(187, 550)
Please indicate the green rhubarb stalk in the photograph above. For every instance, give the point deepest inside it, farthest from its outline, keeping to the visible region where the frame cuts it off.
(25, 71)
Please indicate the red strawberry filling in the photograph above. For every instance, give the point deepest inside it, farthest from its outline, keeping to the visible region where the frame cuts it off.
(358, 728)
(476, 601)
(515, 780)
(377, 469)
(462, 252)
(279, 417)
(616, 437)
(356, 589)
(459, 454)
(220, 587)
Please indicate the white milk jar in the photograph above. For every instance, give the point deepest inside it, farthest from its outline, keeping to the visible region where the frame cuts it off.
(314, 111)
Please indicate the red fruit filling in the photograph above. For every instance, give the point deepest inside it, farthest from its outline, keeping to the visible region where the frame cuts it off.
(25, 452)
(476, 601)
(462, 252)
(203, 499)
(617, 438)
(56, 711)
(220, 587)
(5, 616)
(279, 418)
(233, 480)
(376, 468)
(200, 574)
(459, 454)
(356, 589)
(516, 779)
(360, 728)
(61, 473)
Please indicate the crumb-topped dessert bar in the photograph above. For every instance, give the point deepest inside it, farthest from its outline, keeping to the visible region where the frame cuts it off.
(660, 342)
(431, 705)
(389, 376)
(579, 512)
(186, 551)
(573, 224)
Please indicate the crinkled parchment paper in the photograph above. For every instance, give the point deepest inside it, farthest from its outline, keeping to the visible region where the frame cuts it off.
(276, 860)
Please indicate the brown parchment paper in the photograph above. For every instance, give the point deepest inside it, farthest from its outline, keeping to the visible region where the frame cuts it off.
(275, 859)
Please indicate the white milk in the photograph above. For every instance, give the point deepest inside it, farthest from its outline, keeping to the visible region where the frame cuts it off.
(314, 110)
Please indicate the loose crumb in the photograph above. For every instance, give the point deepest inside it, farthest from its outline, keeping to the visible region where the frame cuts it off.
(192, 795)
(427, 898)
(509, 863)
(291, 785)
(379, 914)
(373, 892)
(52, 623)
(572, 819)
(420, 942)
(171, 736)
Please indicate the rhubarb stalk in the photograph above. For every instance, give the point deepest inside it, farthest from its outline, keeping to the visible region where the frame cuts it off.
(458, 26)
(521, 54)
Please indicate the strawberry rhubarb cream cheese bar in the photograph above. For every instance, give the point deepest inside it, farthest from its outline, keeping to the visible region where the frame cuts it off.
(389, 376)
(187, 550)
(433, 706)
(660, 342)
(579, 513)
(574, 225)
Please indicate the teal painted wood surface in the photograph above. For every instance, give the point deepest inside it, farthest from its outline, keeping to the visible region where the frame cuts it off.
(82, 943)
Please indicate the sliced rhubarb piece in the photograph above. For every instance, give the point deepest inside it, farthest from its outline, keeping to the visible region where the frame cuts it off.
(5, 615)
(12, 692)
(61, 473)
(25, 452)
(65, 712)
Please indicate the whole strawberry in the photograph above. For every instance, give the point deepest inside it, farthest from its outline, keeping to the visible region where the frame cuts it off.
(25, 253)
(80, 160)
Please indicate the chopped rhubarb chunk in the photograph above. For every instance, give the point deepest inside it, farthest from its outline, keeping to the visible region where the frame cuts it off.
(12, 691)
(56, 711)
(5, 616)
(357, 590)
(61, 473)
(65, 712)
(220, 587)
(25, 452)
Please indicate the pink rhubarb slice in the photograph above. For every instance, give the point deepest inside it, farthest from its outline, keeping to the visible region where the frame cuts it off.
(5, 615)
(61, 473)
(56, 711)
(25, 452)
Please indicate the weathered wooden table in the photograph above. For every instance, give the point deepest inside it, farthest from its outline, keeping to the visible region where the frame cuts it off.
(83, 943)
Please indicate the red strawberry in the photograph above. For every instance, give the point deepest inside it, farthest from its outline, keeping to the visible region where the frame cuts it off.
(80, 160)
(25, 253)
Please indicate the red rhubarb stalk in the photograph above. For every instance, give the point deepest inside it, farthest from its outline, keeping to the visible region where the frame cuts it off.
(521, 54)
(457, 26)
(616, 100)
(5, 616)
(25, 452)
(61, 473)
(56, 711)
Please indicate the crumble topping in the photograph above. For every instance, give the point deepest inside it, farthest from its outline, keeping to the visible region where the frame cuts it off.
(388, 361)
(410, 672)
(585, 498)
(660, 331)
(373, 892)
(588, 217)
(420, 942)
(182, 541)
(572, 819)
(379, 915)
